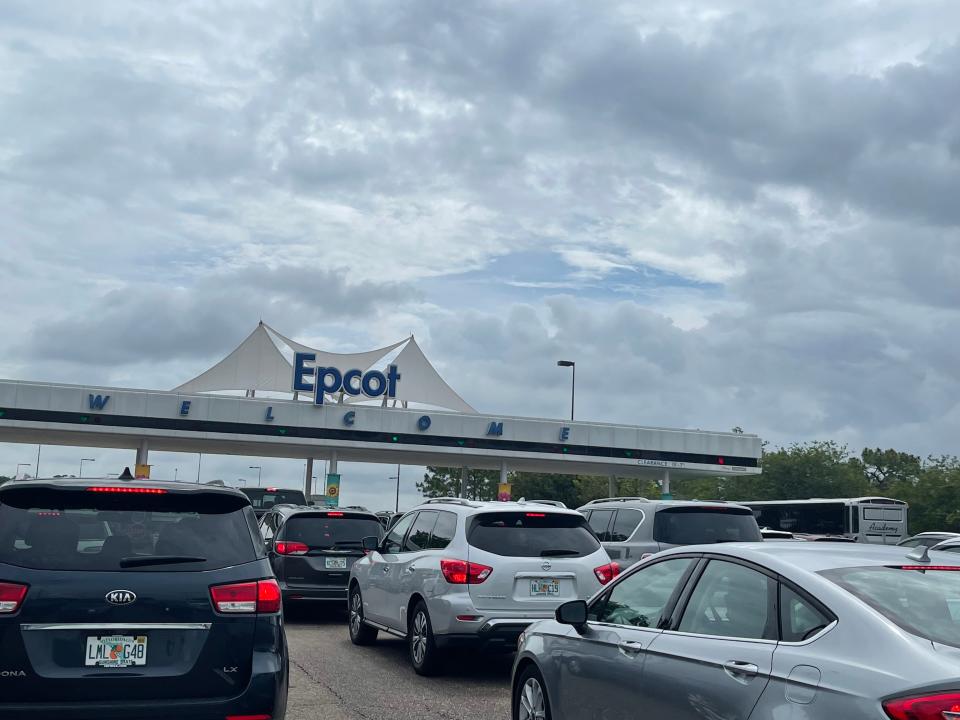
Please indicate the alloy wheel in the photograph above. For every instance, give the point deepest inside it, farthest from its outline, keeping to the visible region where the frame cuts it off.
(419, 638)
(533, 706)
(356, 614)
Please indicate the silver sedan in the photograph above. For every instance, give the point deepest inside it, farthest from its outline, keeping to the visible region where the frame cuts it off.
(771, 631)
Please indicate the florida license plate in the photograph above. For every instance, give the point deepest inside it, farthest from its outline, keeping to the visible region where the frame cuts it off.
(544, 587)
(336, 563)
(117, 651)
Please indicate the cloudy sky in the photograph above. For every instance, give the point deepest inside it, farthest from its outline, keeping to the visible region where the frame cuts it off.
(728, 213)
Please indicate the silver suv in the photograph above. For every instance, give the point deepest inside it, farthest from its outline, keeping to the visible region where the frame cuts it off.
(631, 528)
(456, 573)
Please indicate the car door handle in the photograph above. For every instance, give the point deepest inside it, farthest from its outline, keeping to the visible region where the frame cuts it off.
(741, 668)
(631, 647)
(386, 569)
(409, 570)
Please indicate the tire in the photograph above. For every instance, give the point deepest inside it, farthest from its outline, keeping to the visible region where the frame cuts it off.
(530, 701)
(360, 632)
(424, 655)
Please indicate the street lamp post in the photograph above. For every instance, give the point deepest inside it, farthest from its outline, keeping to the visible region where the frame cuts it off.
(259, 472)
(82, 461)
(396, 507)
(176, 471)
(573, 382)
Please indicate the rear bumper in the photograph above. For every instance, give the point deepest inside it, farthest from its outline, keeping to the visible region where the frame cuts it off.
(498, 635)
(322, 593)
(265, 693)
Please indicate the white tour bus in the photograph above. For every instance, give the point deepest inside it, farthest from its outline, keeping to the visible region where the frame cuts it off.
(877, 520)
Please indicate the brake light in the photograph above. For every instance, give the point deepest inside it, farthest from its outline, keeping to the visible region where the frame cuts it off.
(261, 596)
(606, 573)
(334, 514)
(460, 572)
(48, 513)
(269, 489)
(928, 567)
(11, 597)
(249, 717)
(290, 548)
(128, 490)
(928, 707)
(536, 514)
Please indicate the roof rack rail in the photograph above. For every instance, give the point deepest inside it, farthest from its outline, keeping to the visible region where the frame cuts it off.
(617, 499)
(450, 501)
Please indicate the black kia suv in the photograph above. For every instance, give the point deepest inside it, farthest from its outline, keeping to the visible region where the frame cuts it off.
(138, 600)
(312, 549)
(262, 499)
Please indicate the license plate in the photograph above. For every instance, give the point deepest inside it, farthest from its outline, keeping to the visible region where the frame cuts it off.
(544, 587)
(117, 651)
(336, 563)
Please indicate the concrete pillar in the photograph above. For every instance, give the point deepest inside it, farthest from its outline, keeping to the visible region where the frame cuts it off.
(503, 471)
(464, 474)
(143, 452)
(612, 486)
(308, 480)
(665, 487)
(333, 464)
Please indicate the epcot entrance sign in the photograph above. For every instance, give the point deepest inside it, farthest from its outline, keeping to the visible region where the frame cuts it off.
(275, 397)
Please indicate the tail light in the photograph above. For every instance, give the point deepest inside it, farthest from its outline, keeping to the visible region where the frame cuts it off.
(944, 706)
(128, 490)
(257, 596)
(11, 597)
(606, 573)
(290, 548)
(334, 514)
(460, 572)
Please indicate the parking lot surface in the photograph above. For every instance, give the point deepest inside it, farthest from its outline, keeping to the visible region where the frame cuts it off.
(332, 678)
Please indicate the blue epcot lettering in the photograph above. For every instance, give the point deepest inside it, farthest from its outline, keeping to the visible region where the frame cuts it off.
(496, 428)
(98, 402)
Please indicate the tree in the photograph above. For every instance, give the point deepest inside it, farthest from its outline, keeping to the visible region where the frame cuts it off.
(445, 482)
(885, 467)
(545, 486)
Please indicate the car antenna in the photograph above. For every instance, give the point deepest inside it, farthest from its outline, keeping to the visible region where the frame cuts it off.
(920, 553)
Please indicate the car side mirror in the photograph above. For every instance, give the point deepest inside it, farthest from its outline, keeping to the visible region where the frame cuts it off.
(370, 543)
(573, 613)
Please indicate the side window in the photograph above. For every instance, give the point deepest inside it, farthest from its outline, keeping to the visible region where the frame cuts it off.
(624, 525)
(394, 539)
(444, 530)
(731, 600)
(599, 522)
(641, 599)
(799, 619)
(419, 536)
(266, 526)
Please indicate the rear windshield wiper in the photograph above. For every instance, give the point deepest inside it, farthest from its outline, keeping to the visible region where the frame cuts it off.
(558, 553)
(129, 562)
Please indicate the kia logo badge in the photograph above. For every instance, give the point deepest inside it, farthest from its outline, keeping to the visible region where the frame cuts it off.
(545, 565)
(121, 597)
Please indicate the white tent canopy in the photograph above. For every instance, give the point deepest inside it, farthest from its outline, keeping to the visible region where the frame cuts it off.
(258, 363)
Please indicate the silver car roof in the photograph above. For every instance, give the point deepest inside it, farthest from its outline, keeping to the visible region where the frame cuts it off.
(816, 557)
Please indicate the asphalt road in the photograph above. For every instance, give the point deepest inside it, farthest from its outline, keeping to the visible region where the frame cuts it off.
(332, 678)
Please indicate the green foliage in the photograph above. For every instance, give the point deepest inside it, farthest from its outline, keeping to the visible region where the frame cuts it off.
(816, 469)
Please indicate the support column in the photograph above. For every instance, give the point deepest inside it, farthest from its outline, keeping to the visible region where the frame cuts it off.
(143, 452)
(332, 470)
(503, 471)
(464, 474)
(612, 486)
(665, 487)
(308, 480)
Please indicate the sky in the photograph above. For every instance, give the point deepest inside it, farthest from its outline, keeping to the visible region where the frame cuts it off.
(728, 213)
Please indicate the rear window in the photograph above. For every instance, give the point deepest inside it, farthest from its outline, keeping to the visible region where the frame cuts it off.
(532, 534)
(50, 529)
(320, 532)
(695, 525)
(922, 602)
(266, 499)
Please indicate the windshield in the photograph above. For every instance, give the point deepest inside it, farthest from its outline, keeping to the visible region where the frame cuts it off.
(320, 532)
(923, 602)
(694, 525)
(532, 534)
(262, 499)
(52, 530)
(807, 518)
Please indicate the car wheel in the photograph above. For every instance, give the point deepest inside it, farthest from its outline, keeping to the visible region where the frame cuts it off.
(360, 632)
(423, 650)
(530, 700)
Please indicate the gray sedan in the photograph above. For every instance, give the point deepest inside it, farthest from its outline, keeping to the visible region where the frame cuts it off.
(755, 630)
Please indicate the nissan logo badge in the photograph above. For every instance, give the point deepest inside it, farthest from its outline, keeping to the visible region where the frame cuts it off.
(545, 565)
(121, 597)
